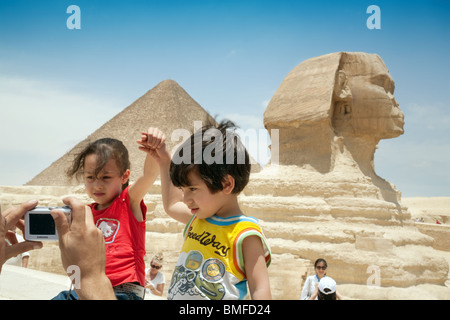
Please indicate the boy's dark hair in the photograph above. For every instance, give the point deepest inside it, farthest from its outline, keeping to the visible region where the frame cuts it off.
(105, 149)
(213, 152)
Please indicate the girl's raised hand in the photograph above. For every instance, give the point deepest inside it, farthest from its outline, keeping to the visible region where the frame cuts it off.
(153, 143)
(152, 139)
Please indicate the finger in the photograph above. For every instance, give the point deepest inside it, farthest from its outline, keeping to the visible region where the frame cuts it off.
(21, 225)
(162, 141)
(161, 138)
(11, 237)
(61, 224)
(146, 140)
(150, 131)
(78, 212)
(13, 251)
(156, 135)
(144, 136)
(89, 217)
(156, 138)
(14, 214)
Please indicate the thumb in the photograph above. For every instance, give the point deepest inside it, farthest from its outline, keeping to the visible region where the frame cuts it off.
(18, 248)
(61, 224)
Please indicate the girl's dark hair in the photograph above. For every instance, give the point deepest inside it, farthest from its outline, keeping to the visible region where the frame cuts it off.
(105, 149)
(213, 152)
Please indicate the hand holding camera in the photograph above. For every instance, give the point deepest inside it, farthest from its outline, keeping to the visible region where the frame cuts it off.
(13, 218)
(80, 241)
(82, 245)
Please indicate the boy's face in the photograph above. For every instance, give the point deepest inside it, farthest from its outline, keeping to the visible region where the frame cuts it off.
(107, 186)
(201, 201)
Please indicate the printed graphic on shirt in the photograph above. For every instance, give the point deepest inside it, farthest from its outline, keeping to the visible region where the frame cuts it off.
(208, 239)
(211, 262)
(109, 228)
(198, 279)
(194, 260)
(213, 270)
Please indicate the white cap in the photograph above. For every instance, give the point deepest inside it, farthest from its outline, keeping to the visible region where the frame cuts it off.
(327, 285)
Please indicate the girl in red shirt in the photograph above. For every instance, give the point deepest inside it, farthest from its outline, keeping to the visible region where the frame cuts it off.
(119, 210)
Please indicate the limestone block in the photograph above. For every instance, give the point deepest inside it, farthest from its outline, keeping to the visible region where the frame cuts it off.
(439, 232)
(373, 244)
(287, 274)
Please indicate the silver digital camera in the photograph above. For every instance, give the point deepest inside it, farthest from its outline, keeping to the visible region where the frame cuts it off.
(39, 224)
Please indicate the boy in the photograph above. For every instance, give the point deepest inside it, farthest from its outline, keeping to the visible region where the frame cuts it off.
(222, 249)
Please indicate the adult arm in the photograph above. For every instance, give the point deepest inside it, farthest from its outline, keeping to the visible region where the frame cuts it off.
(82, 248)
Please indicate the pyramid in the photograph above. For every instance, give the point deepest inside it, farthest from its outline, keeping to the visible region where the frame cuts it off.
(167, 106)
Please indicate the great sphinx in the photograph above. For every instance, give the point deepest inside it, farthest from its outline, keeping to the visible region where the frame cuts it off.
(320, 196)
(331, 112)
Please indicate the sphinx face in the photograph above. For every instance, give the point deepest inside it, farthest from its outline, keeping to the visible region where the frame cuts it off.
(374, 109)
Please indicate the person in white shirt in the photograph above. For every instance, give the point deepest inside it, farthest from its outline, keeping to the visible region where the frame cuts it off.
(311, 286)
(154, 278)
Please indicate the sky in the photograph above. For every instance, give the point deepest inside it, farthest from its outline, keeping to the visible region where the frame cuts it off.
(58, 84)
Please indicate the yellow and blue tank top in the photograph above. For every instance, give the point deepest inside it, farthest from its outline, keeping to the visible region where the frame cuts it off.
(211, 264)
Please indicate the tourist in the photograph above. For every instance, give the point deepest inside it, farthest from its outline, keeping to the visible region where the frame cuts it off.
(320, 267)
(154, 278)
(201, 190)
(310, 288)
(118, 209)
(325, 290)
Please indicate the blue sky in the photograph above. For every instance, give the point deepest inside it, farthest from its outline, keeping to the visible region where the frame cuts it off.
(58, 85)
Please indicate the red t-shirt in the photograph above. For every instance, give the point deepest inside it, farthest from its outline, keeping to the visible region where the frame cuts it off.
(124, 240)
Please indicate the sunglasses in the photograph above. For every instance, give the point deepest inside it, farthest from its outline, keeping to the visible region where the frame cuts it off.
(321, 267)
(156, 267)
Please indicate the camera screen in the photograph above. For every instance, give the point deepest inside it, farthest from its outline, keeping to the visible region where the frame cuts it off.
(42, 224)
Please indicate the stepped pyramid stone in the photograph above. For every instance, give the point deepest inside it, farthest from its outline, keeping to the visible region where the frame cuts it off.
(167, 106)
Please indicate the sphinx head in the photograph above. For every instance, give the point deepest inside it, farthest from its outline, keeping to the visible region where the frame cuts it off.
(363, 103)
(350, 91)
